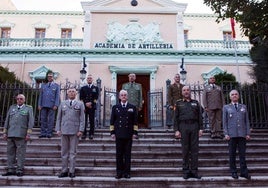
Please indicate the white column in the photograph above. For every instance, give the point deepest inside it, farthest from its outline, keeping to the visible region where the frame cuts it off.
(152, 81)
(114, 80)
(180, 32)
(87, 30)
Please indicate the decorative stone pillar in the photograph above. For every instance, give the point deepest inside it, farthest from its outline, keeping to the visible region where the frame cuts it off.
(180, 32)
(98, 107)
(152, 80)
(87, 30)
(114, 80)
(169, 119)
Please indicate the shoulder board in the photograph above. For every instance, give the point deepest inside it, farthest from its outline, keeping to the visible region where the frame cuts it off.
(28, 106)
(179, 100)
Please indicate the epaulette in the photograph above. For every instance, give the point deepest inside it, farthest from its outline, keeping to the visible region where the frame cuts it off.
(179, 100)
(28, 106)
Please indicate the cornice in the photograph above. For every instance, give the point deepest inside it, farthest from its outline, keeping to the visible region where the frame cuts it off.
(199, 15)
(26, 12)
(122, 53)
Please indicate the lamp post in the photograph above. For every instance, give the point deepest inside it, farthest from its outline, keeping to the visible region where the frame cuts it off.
(183, 72)
(83, 72)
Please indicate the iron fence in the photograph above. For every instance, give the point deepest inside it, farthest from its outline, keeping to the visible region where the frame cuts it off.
(255, 96)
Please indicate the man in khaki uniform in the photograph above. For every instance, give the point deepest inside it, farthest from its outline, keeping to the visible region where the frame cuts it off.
(70, 126)
(213, 101)
(134, 91)
(17, 129)
(174, 93)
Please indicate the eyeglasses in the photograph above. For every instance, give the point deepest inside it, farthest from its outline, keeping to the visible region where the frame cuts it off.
(20, 98)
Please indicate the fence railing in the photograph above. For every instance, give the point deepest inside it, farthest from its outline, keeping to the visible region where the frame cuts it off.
(255, 96)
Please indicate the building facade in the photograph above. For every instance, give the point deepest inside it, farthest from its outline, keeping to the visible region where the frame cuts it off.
(118, 37)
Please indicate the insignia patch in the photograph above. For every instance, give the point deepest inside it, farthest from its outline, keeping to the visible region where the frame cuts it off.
(130, 110)
(193, 104)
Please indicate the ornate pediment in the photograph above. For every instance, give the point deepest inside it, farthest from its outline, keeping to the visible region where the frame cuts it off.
(41, 24)
(5, 23)
(41, 72)
(133, 33)
(66, 25)
(213, 72)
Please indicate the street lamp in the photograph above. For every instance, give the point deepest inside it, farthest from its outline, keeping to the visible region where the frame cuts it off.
(183, 72)
(83, 72)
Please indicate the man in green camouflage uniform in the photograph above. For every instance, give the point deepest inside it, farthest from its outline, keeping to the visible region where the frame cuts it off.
(17, 129)
(188, 127)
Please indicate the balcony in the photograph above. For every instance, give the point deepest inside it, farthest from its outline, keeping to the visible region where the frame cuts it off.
(48, 43)
(40, 43)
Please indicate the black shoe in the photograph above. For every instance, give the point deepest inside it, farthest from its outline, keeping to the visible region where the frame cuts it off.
(127, 176)
(195, 175)
(234, 175)
(41, 136)
(63, 175)
(72, 175)
(186, 176)
(84, 137)
(118, 176)
(9, 174)
(19, 174)
(90, 137)
(246, 176)
(49, 136)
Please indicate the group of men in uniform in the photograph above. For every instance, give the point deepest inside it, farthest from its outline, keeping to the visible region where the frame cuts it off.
(70, 124)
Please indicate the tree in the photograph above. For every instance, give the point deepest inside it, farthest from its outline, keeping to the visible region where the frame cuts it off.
(253, 17)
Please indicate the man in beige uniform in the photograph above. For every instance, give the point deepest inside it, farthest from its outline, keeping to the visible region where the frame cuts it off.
(213, 101)
(134, 91)
(17, 129)
(70, 126)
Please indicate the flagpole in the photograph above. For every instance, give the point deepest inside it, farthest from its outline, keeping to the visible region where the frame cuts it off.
(236, 61)
(235, 48)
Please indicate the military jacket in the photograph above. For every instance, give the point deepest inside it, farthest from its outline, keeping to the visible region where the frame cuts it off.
(88, 94)
(188, 111)
(70, 119)
(134, 93)
(213, 98)
(235, 121)
(124, 121)
(49, 95)
(19, 122)
(174, 93)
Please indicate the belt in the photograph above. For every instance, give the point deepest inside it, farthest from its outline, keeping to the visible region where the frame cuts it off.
(188, 121)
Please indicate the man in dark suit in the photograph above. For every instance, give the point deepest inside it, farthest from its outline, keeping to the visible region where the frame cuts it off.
(89, 94)
(123, 127)
(237, 131)
(48, 102)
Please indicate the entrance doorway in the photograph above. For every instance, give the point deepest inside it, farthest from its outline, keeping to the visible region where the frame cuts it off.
(144, 80)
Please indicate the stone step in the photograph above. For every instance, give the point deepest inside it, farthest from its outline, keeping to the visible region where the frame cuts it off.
(134, 182)
(137, 172)
(95, 162)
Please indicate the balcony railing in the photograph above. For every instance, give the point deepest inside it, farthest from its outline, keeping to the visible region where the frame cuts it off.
(40, 43)
(78, 43)
(217, 45)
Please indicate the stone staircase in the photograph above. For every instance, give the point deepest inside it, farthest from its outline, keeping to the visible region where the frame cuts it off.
(156, 162)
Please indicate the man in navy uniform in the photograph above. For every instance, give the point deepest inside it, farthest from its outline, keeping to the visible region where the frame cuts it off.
(124, 128)
(189, 127)
(70, 126)
(237, 131)
(17, 129)
(89, 94)
(48, 103)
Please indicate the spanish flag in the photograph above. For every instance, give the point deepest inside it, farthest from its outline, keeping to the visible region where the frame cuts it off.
(233, 27)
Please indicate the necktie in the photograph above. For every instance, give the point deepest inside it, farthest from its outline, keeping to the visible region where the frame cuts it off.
(49, 84)
(235, 106)
(71, 102)
(213, 86)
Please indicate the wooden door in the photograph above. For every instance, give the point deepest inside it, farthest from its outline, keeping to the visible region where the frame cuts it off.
(144, 80)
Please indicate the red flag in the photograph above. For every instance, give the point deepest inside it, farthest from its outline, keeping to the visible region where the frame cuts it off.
(233, 27)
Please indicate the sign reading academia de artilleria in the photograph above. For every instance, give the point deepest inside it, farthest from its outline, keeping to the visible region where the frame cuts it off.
(133, 36)
(133, 46)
